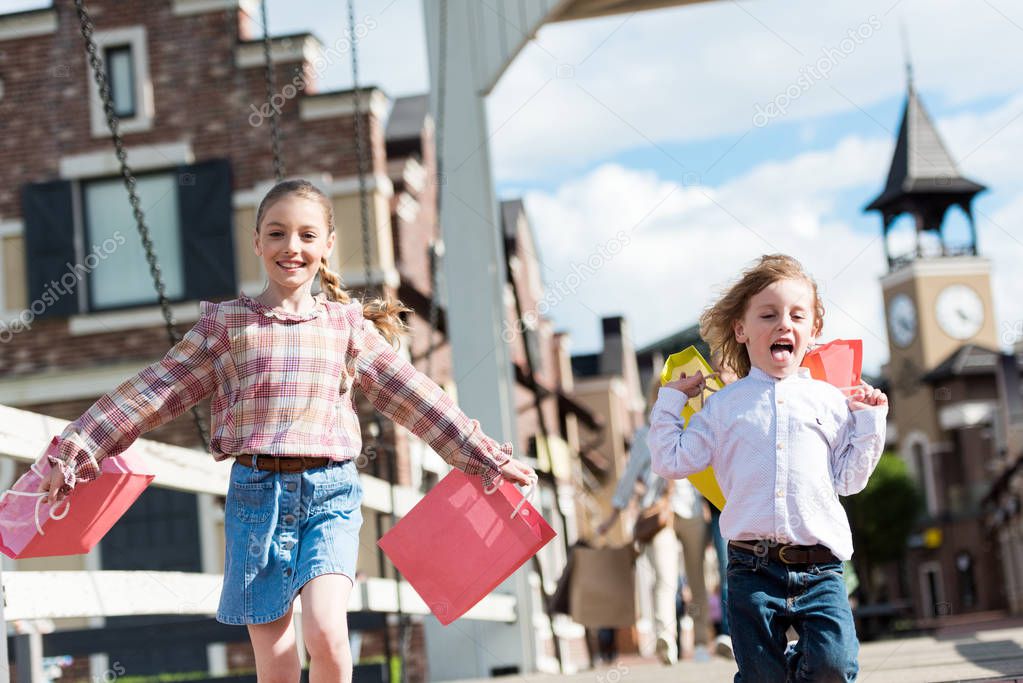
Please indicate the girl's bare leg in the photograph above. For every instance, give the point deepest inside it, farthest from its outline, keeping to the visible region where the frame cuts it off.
(276, 655)
(325, 628)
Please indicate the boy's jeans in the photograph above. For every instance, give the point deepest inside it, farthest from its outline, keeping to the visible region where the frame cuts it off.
(765, 597)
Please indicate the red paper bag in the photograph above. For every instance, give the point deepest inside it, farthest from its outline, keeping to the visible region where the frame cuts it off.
(31, 527)
(458, 543)
(838, 363)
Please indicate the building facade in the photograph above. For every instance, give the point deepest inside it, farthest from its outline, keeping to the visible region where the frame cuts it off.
(77, 305)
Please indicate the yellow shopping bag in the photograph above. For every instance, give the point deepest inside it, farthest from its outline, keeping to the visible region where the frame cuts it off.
(690, 362)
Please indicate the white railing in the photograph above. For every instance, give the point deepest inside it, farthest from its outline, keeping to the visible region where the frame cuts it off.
(83, 594)
(33, 595)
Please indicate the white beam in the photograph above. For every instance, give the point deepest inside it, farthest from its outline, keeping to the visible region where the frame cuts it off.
(474, 247)
(85, 594)
(24, 435)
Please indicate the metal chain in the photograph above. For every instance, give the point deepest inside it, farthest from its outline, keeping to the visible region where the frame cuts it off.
(113, 123)
(437, 245)
(360, 152)
(268, 78)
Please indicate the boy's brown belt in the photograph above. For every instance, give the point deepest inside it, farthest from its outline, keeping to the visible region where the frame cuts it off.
(287, 464)
(789, 554)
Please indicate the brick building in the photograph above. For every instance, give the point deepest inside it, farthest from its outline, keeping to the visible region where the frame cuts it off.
(551, 425)
(77, 306)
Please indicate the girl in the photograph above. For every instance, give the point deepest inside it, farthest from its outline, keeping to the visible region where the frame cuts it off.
(280, 368)
(784, 447)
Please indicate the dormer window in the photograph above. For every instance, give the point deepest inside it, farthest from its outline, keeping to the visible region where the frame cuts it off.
(121, 76)
(125, 56)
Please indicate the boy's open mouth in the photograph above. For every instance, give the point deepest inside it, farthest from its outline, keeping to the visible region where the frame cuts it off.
(782, 351)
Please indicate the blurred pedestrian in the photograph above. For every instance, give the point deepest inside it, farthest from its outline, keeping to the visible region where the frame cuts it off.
(684, 524)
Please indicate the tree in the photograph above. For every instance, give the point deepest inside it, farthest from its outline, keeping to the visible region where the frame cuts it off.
(882, 517)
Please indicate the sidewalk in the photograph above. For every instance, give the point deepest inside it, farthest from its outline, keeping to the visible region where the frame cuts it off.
(995, 654)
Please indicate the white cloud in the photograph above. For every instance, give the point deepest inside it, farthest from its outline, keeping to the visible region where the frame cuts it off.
(694, 240)
(699, 71)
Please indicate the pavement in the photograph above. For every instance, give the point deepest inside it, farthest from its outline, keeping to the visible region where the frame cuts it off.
(962, 654)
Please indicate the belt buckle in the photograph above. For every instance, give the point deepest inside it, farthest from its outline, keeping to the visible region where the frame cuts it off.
(781, 554)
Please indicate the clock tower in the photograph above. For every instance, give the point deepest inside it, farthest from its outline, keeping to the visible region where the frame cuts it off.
(937, 296)
(944, 375)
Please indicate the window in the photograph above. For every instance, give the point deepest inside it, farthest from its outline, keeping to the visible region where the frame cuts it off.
(933, 591)
(121, 76)
(532, 341)
(965, 579)
(121, 276)
(83, 253)
(125, 55)
(159, 532)
(922, 463)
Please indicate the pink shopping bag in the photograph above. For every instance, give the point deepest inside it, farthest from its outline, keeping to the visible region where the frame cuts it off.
(838, 363)
(459, 543)
(31, 527)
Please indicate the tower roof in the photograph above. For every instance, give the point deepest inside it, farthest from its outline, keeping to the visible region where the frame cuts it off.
(922, 170)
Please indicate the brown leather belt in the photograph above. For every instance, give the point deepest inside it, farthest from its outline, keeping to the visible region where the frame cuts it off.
(788, 554)
(276, 463)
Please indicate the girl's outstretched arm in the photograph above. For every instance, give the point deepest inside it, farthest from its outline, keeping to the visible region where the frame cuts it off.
(413, 400)
(154, 396)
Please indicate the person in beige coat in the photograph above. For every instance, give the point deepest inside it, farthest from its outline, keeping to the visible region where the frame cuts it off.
(688, 527)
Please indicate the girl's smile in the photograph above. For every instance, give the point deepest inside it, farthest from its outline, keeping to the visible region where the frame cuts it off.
(292, 239)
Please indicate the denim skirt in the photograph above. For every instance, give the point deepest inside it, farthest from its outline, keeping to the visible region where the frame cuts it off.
(283, 529)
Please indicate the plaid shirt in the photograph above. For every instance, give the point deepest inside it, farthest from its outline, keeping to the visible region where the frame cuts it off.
(281, 385)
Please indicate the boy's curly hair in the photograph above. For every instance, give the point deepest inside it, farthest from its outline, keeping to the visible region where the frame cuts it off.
(717, 323)
(385, 313)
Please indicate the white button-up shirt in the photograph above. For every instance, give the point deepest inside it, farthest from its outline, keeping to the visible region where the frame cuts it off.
(782, 450)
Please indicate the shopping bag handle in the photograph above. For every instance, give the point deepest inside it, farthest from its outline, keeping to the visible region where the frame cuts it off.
(40, 496)
(527, 493)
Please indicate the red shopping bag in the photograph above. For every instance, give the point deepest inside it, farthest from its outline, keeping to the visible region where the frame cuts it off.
(459, 543)
(31, 527)
(838, 363)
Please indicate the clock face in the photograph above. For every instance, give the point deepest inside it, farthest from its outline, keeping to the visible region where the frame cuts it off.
(959, 311)
(902, 320)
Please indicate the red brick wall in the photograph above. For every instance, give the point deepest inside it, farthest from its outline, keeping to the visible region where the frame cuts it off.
(204, 98)
(49, 345)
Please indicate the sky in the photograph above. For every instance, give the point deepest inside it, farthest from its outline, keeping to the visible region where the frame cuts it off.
(691, 140)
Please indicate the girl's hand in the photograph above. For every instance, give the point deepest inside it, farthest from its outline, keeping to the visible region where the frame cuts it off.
(690, 386)
(518, 473)
(53, 485)
(866, 396)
